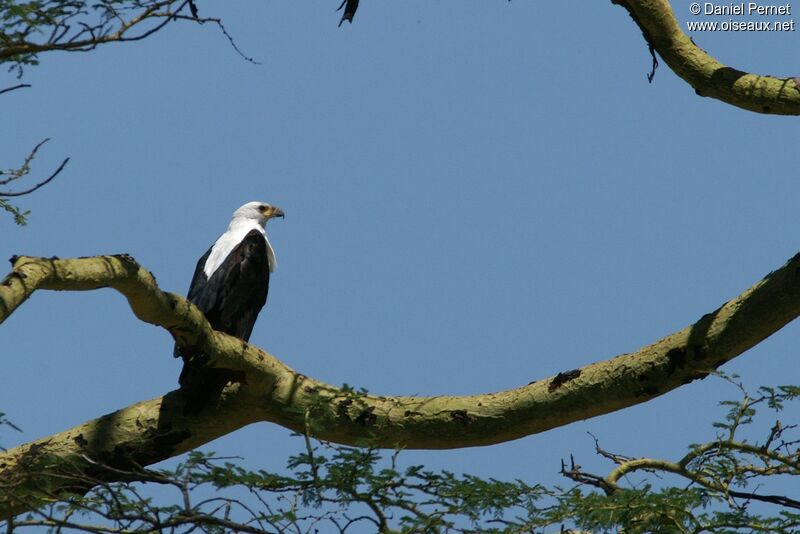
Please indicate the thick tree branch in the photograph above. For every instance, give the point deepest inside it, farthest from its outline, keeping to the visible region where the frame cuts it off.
(709, 77)
(150, 431)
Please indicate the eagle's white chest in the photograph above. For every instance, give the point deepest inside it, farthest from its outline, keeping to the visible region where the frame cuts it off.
(230, 240)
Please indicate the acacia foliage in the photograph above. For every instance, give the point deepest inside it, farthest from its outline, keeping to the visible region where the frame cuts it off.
(28, 28)
(726, 484)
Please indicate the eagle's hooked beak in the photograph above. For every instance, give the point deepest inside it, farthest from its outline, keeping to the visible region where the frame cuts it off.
(273, 212)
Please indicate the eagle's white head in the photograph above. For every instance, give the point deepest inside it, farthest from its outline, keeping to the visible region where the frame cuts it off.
(260, 212)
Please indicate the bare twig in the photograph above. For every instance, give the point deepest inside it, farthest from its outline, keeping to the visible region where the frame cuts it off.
(37, 186)
(14, 88)
(16, 174)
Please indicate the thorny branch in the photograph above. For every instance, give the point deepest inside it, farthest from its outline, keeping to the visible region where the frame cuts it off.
(154, 430)
(337, 488)
(723, 464)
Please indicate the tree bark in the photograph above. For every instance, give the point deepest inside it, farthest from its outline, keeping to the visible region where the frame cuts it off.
(151, 431)
(709, 77)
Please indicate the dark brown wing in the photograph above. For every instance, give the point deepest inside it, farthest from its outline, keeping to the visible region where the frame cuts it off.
(231, 300)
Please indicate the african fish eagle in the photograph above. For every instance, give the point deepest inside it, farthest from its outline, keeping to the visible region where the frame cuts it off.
(230, 286)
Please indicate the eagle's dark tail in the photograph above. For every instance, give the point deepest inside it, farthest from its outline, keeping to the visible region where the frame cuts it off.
(201, 385)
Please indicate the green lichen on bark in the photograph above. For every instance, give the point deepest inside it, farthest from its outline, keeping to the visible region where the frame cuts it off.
(150, 431)
(708, 76)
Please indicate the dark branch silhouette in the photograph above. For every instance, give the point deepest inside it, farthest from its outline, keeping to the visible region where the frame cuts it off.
(9, 176)
(81, 26)
(16, 174)
(14, 88)
(350, 7)
(37, 186)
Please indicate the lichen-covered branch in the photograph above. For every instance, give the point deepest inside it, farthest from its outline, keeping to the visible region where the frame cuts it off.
(709, 77)
(151, 431)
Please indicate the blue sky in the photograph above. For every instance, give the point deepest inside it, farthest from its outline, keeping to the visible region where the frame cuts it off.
(477, 195)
